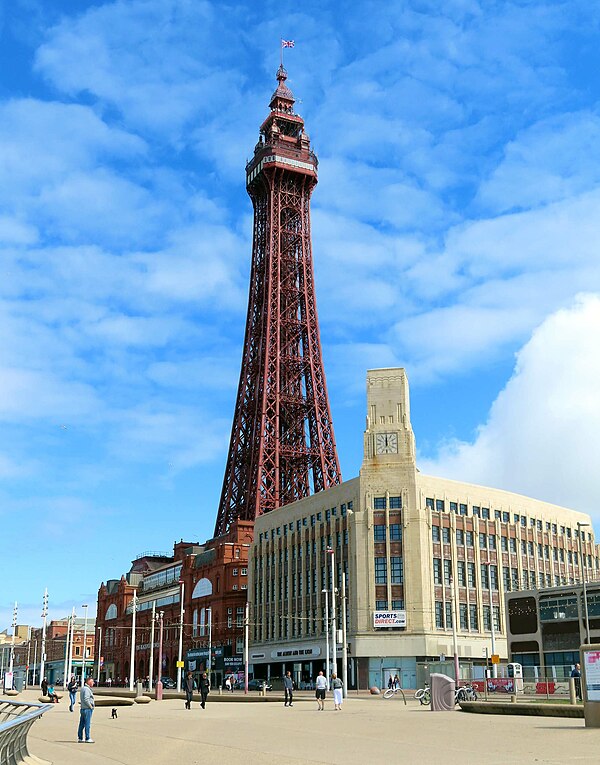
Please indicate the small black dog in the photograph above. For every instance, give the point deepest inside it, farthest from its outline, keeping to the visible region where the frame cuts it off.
(114, 714)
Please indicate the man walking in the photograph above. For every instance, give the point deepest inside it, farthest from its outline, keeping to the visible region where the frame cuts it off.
(87, 707)
(576, 675)
(204, 689)
(321, 688)
(288, 687)
(72, 688)
(189, 690)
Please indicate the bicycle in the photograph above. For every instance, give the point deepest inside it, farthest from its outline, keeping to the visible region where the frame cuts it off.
(423, 695)
(465, 693)
(392, 692)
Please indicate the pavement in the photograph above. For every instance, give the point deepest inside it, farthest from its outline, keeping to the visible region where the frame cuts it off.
(368, 730)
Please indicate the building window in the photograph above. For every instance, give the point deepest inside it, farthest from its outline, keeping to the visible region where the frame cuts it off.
(395, 503)
(429, 503)
(504, 544)
(446, 535)
(437, 571)
(473, 621)
(447, 571)
(464, 616)
(476, 511)
(381, 605)
(512, 543)
(471, 574)
(469, 538)
(397, 605)
(439, 615)
(379, 503)
(461, 573)
(493, 577)
(487, 624)
(435, 533)
(506, 577)
(244, 572)
(439, 505)
(395, 532)
(485, 579)
(460, 537)
(448, 614)
(380, 571)
(397, 570)
(505, 517)
(482, 541)
(463, 509)
(453, 507)
(235, 572)
(492, 541)
(485, 513)
(379, 532)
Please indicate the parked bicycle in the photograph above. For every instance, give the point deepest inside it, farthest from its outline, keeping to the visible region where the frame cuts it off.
(465, 693)
(423, 695)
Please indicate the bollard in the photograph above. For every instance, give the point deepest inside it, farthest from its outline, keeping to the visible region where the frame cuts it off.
(572, 691)
(513, 698)
(220, 691)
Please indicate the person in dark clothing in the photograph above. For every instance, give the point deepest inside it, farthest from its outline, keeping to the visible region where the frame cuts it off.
(204, 689)
(72, 688)
(576, 674)
(288, 686)
(44, 687)
(189, 690)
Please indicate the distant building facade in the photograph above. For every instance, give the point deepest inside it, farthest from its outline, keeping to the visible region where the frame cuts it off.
(214, 580)
(415, 546)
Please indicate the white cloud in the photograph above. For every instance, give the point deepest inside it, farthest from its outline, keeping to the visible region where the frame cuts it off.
(540, 436)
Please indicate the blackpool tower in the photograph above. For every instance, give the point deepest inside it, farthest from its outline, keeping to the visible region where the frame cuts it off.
(282, 444)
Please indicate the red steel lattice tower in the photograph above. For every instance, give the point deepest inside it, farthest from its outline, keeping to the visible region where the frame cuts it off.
(282, 443)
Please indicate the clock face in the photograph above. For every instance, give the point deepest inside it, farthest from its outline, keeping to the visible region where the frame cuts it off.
(386, 443)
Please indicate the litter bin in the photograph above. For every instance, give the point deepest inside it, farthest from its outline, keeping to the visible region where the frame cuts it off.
(442, 693)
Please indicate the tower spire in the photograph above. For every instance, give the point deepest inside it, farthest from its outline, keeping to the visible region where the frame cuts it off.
(282, 444)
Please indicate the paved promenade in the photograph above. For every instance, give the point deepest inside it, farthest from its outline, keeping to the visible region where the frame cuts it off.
(368, 730)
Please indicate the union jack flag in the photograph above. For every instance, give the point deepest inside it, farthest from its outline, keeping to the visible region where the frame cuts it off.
(287, 43)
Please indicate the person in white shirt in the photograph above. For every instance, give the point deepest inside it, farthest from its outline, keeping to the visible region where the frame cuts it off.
(321, 689)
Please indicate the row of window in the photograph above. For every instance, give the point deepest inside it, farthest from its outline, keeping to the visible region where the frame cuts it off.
(467, 616)
(396, 570)
(508, 544)
(298, 551)
(301, 584)
(382, 503)
(380, 532)
(382, 605)
(288, 528)
(439, 506)
(466, 576)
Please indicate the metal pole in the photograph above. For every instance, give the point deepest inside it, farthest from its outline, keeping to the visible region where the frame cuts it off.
(485, 679)
(327, 635)
(492, 625)
(344, 641)
(333, 615)
(180, 652)
(12, 645)
(84, 645)
(132, 652)
(209, 662)
(34, 661)
(159, 685)
(454, 633)
(151, 666)
(28, 657)
(66, 669)
(43, 653)
(584, 577)
(99, 655)
(70, 641)
(246, 636)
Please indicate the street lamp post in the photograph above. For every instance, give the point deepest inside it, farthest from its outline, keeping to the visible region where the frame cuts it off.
(12, 645)
(209, 662)
(66, 669)
(99, 654)
(43, 652)
(454, 633)
(132, 652)
(246, 637)
(344, 639)
(84, 645)
(151, 665)
(159, 685)
(333, 614)
(180, 652)
(584, 577)
(70, 636)
(326, 592)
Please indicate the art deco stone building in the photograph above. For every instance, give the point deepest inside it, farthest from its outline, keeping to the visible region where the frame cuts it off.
(406, 542)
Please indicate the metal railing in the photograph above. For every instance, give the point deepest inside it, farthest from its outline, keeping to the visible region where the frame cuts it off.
(16, 718)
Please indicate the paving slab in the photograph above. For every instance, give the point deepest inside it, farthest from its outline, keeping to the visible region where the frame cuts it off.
(368, 730)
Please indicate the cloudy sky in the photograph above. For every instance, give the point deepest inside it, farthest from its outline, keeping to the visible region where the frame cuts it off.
(455, 226)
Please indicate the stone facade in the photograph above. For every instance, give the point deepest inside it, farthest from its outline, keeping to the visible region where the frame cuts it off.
(422, 546)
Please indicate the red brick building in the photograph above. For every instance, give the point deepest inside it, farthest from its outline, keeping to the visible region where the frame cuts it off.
(213, 576)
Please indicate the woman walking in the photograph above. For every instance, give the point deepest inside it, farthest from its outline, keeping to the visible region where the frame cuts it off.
(338, 694)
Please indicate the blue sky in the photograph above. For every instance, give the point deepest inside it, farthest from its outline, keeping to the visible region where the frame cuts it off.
(455, 231)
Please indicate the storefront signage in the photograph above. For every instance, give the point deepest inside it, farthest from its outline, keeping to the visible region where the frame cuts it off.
(286, 653)
(389, 619)
(592, 674)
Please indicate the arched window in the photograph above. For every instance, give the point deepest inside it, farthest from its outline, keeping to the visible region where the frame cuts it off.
(111, 612)
(203, 588)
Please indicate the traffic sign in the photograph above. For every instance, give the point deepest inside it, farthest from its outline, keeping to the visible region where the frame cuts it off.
(495, 658)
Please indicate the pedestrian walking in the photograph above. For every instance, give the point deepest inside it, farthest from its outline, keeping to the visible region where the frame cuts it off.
(576, 674)
(321, 689)
(338, 695)
(44, 687)
(189, 690)
(72, 688)
(396, 682)
(88, 703)
(204, 689)
(288, 687)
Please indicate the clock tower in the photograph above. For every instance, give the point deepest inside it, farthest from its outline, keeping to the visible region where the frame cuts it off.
(388, 434)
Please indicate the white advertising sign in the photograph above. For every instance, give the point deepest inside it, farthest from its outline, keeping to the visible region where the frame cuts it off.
(592, 674)
(389, 619)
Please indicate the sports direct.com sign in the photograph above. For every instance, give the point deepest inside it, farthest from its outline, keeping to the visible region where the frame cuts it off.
(389, 619)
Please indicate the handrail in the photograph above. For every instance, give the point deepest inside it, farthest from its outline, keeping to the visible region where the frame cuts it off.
(17, 717)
